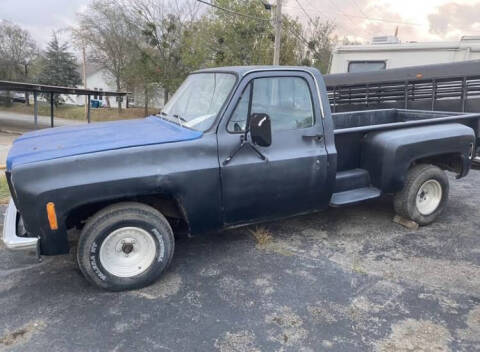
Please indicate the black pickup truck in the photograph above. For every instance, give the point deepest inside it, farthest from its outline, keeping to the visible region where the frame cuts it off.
(233, 146)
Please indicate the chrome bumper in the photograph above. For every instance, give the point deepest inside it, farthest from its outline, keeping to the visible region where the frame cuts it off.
(10, 238)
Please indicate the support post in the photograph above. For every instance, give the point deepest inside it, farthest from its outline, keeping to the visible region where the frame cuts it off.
(84, 71)
(368, 94)
(51, 110)
(334, 99)
(35, 109)
(464, 93)
(278, 32)
(88, 108)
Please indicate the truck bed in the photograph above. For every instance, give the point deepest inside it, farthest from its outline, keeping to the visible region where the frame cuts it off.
(346, 121)
(354, 181)
(350, 127)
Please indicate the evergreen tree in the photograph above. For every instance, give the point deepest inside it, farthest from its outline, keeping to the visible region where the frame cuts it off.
(59, 67)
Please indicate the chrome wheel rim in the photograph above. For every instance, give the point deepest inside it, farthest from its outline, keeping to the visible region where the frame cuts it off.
(127, 251)
(429, 197)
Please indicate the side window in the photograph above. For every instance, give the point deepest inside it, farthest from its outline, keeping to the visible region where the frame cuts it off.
(238, 120)
(366, 66)
(287, 100)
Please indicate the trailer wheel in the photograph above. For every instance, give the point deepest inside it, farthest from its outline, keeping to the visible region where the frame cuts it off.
(424, 195)
(125, 246)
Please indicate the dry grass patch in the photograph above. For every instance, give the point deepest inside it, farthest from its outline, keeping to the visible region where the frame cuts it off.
(262, 235)
(4, 191)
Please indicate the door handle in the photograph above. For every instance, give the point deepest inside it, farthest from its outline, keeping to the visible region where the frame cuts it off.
(316, 136)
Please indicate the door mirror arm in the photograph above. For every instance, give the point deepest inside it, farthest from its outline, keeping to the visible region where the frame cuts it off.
(244, 143)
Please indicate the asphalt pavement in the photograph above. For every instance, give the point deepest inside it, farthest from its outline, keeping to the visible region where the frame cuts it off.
(21, 123)
(347, 279)
(12, 125)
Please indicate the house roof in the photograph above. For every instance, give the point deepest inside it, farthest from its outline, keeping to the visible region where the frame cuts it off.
(411, 73)
(466, 42)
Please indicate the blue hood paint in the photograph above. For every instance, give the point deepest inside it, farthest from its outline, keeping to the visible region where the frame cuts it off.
(69, 141)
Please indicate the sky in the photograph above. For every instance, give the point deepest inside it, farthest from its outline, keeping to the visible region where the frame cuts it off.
(417, 20)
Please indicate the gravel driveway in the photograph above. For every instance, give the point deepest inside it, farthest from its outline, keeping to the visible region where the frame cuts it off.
(348, 279)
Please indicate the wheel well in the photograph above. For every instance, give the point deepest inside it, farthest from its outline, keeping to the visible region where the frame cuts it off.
(168, 206)
(451, 162)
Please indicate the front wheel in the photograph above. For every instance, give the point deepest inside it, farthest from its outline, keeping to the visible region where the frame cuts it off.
(424, 195)
(125, 246)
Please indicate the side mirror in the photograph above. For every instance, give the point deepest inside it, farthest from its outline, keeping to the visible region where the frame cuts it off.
(260, 130)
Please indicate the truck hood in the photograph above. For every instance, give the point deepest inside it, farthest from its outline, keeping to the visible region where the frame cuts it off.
(61, 142)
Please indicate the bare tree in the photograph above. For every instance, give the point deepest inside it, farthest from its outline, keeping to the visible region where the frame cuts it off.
(320, 44)
(162, 24)
(110, 38)
(17, 52)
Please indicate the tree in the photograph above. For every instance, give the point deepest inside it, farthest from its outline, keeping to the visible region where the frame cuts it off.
(110, 38)
(185, 39)
(59, 67)
(320, 45)
(142, 42)
(17, 53)
(142, 75)
(168, 29)
(241, 40)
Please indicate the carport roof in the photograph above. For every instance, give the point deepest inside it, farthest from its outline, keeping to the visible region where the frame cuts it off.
(42, 88)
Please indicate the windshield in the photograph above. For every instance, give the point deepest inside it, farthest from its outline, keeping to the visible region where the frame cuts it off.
(199, 99)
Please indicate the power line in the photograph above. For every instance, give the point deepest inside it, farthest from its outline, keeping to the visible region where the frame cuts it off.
(348, 18)
(306, 13)
(347, 15)
(233, 12)
(359, 8)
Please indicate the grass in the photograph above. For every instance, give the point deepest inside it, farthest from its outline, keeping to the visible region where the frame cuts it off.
(4, 192)
(74, 112)
(262, 235)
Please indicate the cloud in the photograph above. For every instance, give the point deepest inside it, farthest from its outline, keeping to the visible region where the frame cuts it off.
(41, 18)
(455, 18)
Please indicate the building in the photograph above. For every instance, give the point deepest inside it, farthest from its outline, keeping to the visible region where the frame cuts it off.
(389, 52)
(100, 79)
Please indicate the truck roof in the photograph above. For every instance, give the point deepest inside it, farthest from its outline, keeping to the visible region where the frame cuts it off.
(243, 70)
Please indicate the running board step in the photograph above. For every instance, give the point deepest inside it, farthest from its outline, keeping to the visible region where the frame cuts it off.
(351, 179)
(354, 196)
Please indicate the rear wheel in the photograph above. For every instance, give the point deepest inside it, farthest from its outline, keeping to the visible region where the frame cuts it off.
(125, 246)
(424, 195)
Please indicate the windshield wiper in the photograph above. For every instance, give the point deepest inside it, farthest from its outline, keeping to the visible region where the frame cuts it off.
(178, 117)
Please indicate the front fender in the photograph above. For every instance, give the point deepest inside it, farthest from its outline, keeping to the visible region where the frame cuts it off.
(185, 171)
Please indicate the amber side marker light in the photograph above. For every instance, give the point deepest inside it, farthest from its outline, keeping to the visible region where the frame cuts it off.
(52, 216)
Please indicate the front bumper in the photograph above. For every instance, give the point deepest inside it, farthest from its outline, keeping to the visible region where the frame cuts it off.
(10, 238)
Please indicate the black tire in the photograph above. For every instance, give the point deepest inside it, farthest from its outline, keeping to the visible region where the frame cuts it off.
(404, 201)
(115, 217)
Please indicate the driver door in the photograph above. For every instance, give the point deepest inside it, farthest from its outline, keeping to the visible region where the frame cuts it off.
(292, 180)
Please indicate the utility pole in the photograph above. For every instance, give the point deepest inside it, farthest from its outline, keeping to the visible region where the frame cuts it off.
(84, 66)
(278, 32)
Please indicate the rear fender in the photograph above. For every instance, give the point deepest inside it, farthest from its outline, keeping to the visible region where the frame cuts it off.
(388, 155)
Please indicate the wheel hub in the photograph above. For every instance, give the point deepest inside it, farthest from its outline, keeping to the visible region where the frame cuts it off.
(127, 251)
(127, 248)
(429, 197)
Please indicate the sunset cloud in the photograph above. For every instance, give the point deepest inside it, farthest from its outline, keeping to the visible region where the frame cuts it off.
(454, 18)
(417, 20)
